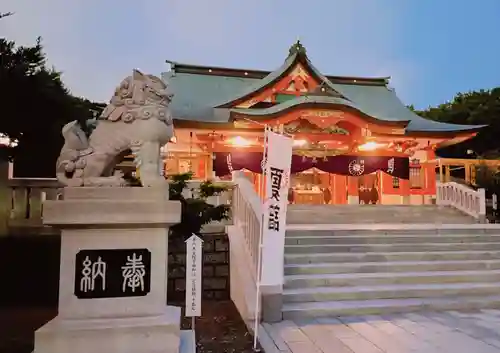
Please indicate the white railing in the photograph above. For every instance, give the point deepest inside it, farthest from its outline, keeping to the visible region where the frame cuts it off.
(463, 198)
(247, 214)
(24, 199)
(21, 203)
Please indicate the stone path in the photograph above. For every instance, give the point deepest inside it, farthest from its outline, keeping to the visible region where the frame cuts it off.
(446, 332)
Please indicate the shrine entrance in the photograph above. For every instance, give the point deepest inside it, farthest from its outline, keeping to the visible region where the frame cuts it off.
(331, 180)
(368, 189)
(312, 186)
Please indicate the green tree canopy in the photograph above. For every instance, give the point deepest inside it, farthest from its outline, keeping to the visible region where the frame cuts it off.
(476, 108)
(35, 105)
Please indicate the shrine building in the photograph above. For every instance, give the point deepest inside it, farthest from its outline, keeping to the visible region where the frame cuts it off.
(354, 140)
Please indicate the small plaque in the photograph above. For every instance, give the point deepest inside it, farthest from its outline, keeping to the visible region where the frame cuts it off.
(112, 273)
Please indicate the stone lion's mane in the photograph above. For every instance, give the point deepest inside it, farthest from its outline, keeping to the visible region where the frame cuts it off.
(136, 99)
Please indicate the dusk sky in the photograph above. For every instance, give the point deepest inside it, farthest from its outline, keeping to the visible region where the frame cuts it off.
(432, 49)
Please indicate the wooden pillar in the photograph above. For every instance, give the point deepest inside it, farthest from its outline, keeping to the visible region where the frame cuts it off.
(352, 190)
(210, 174)
(446, 173)
(333, 188)
(441, 178)
(380, 178)
(430, 178)
(467, 173)
(341, 189)
(404, 187)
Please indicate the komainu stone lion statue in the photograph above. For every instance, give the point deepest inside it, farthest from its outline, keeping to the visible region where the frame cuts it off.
(137, 119)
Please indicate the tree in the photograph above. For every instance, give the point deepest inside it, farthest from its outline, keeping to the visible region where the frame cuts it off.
(35, 105)
(476, 108)
(488, 178)
(196, 211)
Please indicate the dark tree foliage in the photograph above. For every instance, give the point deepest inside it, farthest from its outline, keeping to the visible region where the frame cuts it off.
(488, 177)
(477, 108)
(196, 212)
(35, 105)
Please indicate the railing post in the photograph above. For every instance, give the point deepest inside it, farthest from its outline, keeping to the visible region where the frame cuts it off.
(482, 205)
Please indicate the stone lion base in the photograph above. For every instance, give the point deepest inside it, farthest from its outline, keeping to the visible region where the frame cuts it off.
(159, 334)
(94, 219)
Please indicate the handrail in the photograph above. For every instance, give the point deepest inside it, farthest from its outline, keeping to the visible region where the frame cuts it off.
(34, 182)
(247, 214)
(463, 198)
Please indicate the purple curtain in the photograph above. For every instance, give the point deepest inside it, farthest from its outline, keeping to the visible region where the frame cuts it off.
(225, 162)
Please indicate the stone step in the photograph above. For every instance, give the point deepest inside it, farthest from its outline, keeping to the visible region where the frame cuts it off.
(331, 218)
(435, 290)
(359, 214)
(395, 266)
(363, 248)
(391, 229)
(388, 239)
(312, 258)
(293, 311)
(367, 279)
(361, 260)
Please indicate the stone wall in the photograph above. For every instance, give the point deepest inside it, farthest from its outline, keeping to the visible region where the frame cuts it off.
(215, 268)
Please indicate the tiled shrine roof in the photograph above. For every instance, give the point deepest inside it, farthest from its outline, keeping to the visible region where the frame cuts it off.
(207, 94)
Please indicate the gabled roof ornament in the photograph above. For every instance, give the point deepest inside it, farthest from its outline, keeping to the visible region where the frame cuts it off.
(297, 48)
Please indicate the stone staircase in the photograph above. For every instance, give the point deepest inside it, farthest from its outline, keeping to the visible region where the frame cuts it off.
(442, 261)
(375, 214)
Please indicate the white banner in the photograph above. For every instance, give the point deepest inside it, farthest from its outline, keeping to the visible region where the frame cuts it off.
(277, 182)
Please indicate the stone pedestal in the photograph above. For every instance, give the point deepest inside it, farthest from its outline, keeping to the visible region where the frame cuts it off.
(113, 277)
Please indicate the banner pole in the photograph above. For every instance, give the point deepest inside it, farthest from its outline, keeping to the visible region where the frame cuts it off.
(259, 251)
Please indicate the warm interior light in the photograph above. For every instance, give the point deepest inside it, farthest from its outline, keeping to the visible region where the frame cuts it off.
(369, 146)
(7, 141)
(299, 143)
(173, 139)
(239, 141)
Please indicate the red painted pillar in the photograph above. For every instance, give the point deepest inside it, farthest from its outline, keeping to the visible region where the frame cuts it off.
(352, 190)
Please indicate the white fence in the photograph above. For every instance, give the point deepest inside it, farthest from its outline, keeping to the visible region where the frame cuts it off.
(463, 198)
(247, 214)
(21, 200)
(244, 248)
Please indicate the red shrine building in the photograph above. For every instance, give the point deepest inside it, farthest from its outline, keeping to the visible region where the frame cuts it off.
(355, 142)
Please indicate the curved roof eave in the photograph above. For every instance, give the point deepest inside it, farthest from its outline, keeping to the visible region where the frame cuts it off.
(308, 100)
(422, 125)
